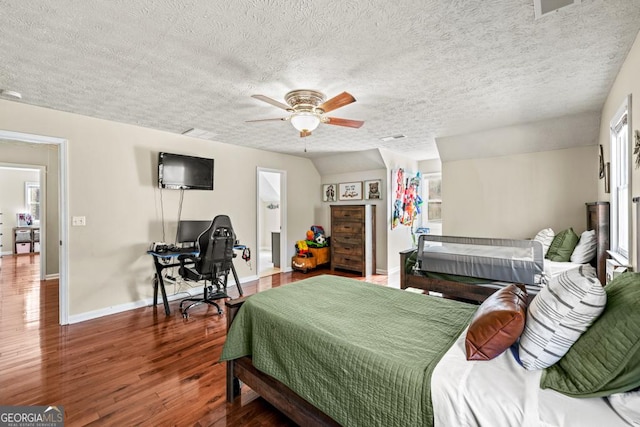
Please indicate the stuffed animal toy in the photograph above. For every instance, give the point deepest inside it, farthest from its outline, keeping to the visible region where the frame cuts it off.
(302, 248)
(318, 239)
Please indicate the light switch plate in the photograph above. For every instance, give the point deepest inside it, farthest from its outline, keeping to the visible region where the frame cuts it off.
(78, 221)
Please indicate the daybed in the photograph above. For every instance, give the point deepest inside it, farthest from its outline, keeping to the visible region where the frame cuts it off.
(471, 268)
(334, 351)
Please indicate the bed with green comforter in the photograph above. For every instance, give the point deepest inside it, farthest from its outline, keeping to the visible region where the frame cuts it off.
(361, 353)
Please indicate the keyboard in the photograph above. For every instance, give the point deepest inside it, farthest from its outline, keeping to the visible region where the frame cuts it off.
(177, 250)
(173, 250)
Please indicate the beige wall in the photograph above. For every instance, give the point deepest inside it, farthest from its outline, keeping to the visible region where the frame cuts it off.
(430, 166)
(627, 82)
(12, 201)
(516, 196)
(40, 155)
(113, 182)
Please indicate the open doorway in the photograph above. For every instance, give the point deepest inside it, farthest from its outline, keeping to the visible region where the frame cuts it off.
(270, 213)
(48, 156)
(23, 212)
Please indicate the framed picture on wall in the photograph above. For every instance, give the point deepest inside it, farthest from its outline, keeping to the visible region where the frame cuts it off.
(329, 192)
(350, 191)
(373, 189)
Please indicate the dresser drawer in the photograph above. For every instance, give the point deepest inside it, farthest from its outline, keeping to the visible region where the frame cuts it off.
(348, 249)
(345, 239)
(349, 213)
(347, 262)
(347, 227)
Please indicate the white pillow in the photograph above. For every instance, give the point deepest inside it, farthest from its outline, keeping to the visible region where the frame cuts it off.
(545, 236)
(558, 315)
(585, 250)
(627, 405)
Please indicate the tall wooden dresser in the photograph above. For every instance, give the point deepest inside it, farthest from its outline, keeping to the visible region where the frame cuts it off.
(598, 220)
(353, 238)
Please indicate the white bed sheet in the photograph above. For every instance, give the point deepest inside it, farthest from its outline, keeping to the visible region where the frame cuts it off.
(500, 392)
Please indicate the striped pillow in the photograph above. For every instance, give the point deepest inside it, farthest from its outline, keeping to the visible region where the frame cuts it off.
(545, 236)
(558, 315)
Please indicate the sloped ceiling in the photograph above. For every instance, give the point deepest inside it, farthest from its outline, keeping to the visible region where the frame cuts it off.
(426, 69)
(269, 187)
(545, 135)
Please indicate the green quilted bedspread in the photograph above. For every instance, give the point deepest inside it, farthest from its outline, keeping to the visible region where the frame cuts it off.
(361, 353)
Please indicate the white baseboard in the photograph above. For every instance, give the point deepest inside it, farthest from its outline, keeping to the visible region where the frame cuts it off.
(394, 270)
(52, 276)
(77, 318)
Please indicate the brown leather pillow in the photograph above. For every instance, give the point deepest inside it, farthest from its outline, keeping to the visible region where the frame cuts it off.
(497, 324)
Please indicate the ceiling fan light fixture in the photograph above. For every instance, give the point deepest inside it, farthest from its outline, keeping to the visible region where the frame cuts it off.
(305, 121)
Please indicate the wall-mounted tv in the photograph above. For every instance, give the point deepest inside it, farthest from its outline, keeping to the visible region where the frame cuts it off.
(180, 172)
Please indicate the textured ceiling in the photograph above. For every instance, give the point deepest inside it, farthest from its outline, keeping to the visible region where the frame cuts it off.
(424, 69)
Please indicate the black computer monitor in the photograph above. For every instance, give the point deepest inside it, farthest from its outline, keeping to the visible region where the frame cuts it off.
(188, 231)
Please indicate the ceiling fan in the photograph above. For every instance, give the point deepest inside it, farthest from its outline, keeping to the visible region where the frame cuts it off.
(308, 108)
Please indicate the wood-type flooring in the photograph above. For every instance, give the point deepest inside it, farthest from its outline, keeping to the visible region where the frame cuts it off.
(133, 368)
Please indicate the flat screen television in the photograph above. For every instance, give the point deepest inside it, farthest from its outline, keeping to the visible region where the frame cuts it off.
(180, 172)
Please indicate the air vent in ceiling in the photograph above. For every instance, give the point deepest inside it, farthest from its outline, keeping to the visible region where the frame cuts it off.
(200, 133)
(10, 94)
(544, 7)
(392, 137)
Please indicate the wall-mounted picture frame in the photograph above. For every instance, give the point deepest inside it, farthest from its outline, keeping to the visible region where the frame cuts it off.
(350, 191)
(636, 148)
(601, 175)
(373, 189)
(329, 192)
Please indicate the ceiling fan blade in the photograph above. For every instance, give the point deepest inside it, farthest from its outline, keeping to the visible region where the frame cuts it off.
(304, 133)
(268, 120)
(344, 122)
(336, 102)
(272, 102)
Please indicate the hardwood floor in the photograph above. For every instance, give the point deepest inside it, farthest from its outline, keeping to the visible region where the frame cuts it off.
(133, 368)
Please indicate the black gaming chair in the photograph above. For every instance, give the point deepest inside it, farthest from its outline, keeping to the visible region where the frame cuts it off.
(213, 263)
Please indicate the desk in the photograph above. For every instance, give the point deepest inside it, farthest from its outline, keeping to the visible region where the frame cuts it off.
(157, 281)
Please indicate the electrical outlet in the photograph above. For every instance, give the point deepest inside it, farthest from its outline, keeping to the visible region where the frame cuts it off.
(78, 221)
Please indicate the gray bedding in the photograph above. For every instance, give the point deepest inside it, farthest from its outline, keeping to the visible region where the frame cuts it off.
(506, 260)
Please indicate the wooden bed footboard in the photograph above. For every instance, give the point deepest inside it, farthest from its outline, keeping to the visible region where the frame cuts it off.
(273, 391)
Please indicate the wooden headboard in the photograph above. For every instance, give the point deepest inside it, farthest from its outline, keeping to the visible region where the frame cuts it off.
(598, 220)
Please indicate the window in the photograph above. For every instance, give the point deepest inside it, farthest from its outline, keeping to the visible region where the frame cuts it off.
(32, 198)
(620, 178)
(432, 203)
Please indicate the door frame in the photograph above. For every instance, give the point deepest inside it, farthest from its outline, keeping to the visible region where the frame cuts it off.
(63, 209)
(283, 217)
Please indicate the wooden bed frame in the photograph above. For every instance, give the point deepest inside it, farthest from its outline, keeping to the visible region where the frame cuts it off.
(273, 391)
(448, 288)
